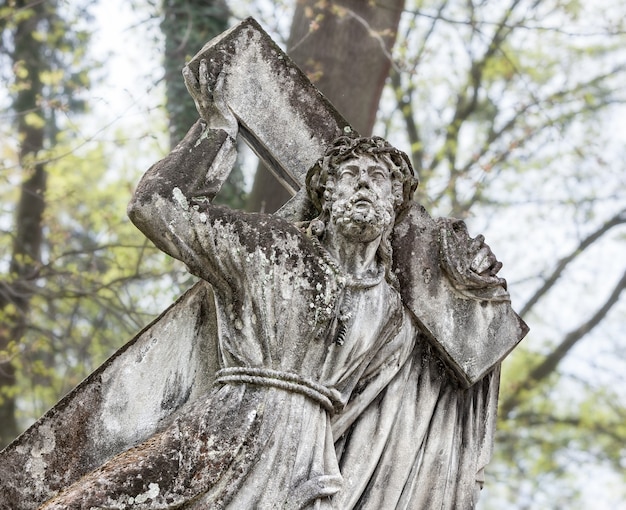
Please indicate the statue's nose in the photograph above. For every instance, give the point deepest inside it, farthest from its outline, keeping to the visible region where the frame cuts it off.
(364, 180)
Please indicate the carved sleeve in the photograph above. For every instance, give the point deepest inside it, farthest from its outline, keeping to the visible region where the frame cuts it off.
(171, 205)
(198, 166)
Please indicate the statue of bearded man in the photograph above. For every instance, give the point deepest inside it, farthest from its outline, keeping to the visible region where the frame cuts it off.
(327, 395)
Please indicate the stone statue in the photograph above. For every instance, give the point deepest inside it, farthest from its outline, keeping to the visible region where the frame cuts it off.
(333, 386)
(316, 347)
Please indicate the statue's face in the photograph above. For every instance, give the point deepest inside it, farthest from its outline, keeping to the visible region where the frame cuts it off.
(363, 201)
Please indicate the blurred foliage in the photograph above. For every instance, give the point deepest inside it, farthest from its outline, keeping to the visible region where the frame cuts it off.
(92, 293)
(40, 60)
(76, 278)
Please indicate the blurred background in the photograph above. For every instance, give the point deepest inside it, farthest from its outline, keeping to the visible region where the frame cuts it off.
(512, 111)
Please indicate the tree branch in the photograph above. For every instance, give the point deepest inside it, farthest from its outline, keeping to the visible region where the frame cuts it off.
(404, 98)
(550, 362)
(610, 31)
(618, 219)
(467, 101)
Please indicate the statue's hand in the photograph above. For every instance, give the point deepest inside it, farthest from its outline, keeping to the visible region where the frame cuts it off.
(484, 262)
(469, 263)
(209, 99)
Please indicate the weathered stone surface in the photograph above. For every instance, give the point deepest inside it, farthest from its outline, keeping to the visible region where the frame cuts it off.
(289, 123)
(121, 404)
(472, 332)
(281, 114)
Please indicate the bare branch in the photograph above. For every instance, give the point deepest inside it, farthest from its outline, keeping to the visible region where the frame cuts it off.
(467, 101)
(428, 35)
(550, 362)
(465, 107)
(561, 96)
(404, 98)
(524, 26)
(618, 219)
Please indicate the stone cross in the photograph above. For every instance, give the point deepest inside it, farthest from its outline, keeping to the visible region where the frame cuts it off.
(169, 364)
(288, 123)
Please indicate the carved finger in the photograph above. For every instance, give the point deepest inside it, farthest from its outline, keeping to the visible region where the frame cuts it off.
(191, 82)
(481, 261)
(496, 267)
(223, 115)
(193, 87)
(203, 77)
(218, 96)
(477, 244)
(488, 264)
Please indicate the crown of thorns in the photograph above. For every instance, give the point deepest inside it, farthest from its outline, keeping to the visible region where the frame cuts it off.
(345, 148)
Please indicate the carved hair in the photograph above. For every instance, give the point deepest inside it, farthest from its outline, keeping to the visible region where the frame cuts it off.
(320, 182)
(320, 179)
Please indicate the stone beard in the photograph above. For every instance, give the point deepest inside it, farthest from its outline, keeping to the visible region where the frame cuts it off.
(362, 216)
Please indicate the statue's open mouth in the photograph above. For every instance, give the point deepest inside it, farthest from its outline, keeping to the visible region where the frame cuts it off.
(361, 201)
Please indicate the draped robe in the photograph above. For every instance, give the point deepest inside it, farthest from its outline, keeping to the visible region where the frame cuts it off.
(308, 411)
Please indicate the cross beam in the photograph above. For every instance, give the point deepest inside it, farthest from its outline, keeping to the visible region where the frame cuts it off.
(289, 123)
(282, 116)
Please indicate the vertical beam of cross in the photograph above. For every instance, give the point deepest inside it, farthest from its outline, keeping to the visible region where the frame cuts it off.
(282, 116)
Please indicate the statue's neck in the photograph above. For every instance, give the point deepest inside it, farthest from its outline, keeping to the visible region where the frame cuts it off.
(356, 258)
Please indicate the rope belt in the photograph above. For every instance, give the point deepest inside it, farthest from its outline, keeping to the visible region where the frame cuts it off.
(283, 380)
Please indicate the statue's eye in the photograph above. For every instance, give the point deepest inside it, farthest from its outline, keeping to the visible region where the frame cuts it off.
(379, 174)
(348, 172)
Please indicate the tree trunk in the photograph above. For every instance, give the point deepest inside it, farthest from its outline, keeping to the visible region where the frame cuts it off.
(17, 289)
(187, 26)
(345, 49)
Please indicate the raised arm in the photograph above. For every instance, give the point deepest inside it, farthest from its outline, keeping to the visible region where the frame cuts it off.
(194, 171)
(172, 201)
